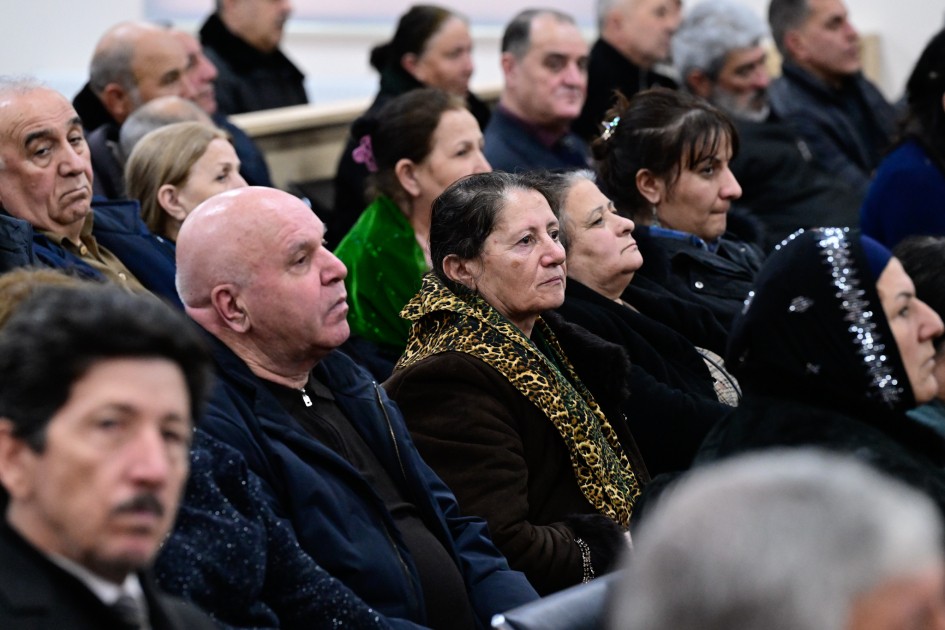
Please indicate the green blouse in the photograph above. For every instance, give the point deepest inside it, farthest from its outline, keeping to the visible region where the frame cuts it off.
(385, 264)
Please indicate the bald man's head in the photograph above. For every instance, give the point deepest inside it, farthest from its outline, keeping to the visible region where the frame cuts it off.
(135, 62)
(252, 269)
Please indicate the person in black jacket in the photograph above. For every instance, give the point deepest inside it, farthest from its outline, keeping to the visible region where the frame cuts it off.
(634, 36)
(242, 40)
(664, 161)
(676, 386)
(101, 392)
(832, 350)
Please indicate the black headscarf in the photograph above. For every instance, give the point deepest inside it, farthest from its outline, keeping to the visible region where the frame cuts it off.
(814, 328)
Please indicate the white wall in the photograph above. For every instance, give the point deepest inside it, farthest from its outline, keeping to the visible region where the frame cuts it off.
(54, 40)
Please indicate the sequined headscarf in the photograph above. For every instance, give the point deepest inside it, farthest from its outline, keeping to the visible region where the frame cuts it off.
(813, 328)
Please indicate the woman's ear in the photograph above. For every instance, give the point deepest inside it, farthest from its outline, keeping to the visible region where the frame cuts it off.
(462, 271)
(650, 186)
(409, 63)
(169, 200)
(406, 172)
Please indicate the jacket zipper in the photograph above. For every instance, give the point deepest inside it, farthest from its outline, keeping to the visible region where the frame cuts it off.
(393, 544)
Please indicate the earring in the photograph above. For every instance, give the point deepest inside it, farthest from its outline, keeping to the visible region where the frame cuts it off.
(656, 220)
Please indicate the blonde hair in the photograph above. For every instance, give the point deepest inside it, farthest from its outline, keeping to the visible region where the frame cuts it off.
(165, 156)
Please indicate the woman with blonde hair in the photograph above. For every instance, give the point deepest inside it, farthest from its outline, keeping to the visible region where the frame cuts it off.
(173, 169)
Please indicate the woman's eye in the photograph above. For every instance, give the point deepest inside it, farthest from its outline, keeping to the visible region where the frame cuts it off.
(554, 235)
(525, 240)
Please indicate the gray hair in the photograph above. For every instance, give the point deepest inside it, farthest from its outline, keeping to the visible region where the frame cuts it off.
(786, 15)
(603, 8)
(17, 85)
(112, 64)
(156, 113)
(710, 31)
(783, 539)
(517, 36)
(556, 186)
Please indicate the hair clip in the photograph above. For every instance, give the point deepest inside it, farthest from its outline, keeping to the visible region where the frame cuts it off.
(364, 154)
(609, 127)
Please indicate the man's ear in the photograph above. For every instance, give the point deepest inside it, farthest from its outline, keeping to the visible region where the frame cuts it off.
(406, 172)
(15, 456)
(168, 199)
(508, 62)
(699, 83)
(229, 308)
(650, 186)
(465, 272)
(796, 45)
(117, 101)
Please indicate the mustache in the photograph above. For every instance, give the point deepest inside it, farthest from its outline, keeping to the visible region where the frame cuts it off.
(144, 502)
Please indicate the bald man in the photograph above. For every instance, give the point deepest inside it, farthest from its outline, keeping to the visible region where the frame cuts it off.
(332, 450)
(133, 63)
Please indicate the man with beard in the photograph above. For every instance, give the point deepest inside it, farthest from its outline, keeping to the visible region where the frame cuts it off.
(719, 54)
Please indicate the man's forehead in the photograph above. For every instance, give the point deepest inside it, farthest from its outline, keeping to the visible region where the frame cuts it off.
(551, 36)
(22, 114)
(158, 52)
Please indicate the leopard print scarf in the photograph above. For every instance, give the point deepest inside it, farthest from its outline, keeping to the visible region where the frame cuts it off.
(444, 321)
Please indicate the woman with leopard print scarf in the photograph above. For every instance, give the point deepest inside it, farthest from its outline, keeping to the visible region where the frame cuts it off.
(495, 403)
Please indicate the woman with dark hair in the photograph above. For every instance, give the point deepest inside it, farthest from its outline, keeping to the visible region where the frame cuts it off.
(663, 159)
(907, 195)
(418, 144)
(832, 350)
(431, 47)
(518, 412)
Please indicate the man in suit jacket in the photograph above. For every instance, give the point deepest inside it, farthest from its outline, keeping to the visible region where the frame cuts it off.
(100, 388)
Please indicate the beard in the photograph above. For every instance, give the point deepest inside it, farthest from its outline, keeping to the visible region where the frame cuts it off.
(756, 109)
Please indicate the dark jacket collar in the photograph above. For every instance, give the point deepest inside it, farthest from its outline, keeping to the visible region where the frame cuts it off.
(90, 109)
(238, 52)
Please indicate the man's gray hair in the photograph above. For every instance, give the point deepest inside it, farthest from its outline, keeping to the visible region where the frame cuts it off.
(784, 539)
(603, 8)
(156, 113)
(783, 16)
(17, 84)
(112, 64)
(710, 31)
(517, 36)
(556, 187)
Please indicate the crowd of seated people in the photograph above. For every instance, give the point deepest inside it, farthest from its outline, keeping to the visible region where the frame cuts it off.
(512, 362)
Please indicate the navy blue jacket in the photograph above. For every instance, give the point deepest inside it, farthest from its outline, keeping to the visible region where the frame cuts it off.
(118, 226)
(841, 148)
(22, 246)
(510, 147)
(338, 517)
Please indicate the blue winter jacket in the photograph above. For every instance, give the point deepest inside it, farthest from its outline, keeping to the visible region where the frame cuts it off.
(117, 226)
(338, 517)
